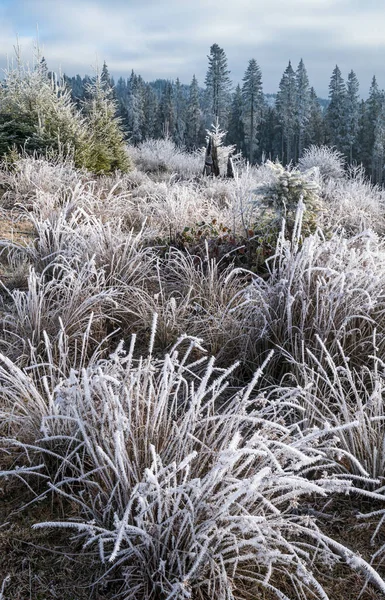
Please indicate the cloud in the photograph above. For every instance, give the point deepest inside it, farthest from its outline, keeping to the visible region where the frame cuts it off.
(170, 39)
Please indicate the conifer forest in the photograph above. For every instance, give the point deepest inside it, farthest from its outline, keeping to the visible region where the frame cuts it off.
(192, 336)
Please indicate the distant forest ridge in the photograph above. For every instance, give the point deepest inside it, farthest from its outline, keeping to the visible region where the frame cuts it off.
(258, 125)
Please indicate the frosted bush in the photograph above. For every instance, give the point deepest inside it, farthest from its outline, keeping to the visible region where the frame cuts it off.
(329, 162)
(154, 156)
(354, 204)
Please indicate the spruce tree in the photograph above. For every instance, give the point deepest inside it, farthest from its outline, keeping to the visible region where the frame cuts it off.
(150, 110)
(105, 77)
(166, 112)
(335, 116)
(180, 114)
(195, 133)
(379, 146)
(253, 101)
(315, 130)
(218, 86)
(352, 114)
(236, 130)
(286, 104)
(106, 151)
(37, 112)
(303, 107)
(373, 107)
(135, 108)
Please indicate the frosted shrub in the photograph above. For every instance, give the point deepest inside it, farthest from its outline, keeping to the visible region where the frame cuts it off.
(354, 203)
(329, 162)
(181, 500)
(154, 156)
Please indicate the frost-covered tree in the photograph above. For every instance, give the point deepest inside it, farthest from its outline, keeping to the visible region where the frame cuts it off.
(286, 105)
(303, 107)
(253, 102)
(218, 85)
(37, 112)
(352, 114)
(236, 129)
(105, 77)
(195, 133)
(335, 116)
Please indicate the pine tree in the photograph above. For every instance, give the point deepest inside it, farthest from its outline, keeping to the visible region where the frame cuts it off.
(218, 85)
(236, 130)
(335, 116)
(286, 105)
(253, 101)
(195, 133)
(303, 107)
(352, 114)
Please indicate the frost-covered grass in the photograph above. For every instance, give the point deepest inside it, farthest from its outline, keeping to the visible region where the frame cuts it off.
(190, 476)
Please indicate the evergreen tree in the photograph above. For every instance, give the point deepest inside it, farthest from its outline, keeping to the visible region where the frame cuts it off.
(180, 114)
(335, 116)
(379, 146)
(303, 107)
(105, 78)
(105, 150)
(315, 130)
(150, 110)
(286, 104)
(166, 112)
(135, 108)
(270, 139)
(218, 85)
(195, 133)
(252, 106)
(38, 114)
(352, 114)
(236, 130)
(373, 107)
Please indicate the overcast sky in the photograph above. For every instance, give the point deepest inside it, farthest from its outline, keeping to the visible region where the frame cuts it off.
(160, 39)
